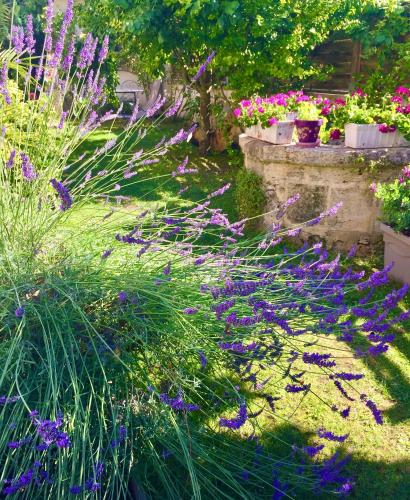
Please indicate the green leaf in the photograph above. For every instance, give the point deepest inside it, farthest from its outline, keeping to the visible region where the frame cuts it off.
(230, 7)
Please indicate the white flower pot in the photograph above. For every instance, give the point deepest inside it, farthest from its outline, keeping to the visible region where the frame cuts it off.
(369, 136)
(279, 133)
(401, 141)
(292, 116)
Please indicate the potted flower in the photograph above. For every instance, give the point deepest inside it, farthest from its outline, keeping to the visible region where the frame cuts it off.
(371, 126)
(396, 116)
(266, 119)
(308, 124)
(395, 206)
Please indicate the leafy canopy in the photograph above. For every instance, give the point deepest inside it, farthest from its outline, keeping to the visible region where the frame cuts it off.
(259, 43)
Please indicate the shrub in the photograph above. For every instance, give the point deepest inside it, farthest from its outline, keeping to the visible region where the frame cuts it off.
(395, 199)
(250, 197)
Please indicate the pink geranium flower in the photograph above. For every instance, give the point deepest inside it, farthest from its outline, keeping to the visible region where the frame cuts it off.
(237, 112)
(335, 134)
(397, 98)
(403, 90)
(246, 103)
(272, 121)
(339, 101)
(386, 129)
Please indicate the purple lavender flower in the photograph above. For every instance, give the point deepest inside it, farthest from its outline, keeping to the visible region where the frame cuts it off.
(220, 191)
(177, 403)
(318, 359)
(238, 421)
(202, 359)
(76, 490)
(3, 84)
(167, 269)
(190, 310)
(203, 67)
(69, 57)
(19, 312)
(84, 55)
(153, 110)
(10, 161)
(322, 433)
(48, 30)
(49, 432)
(17, 39)
(122, 435)
(106, 254)
(313, 450)
(377, 414)
(63, 193)
(345, 413)
(348, 376)
(59, 48)
(64, 115)
(29, 37)
(4, 400)
(27, 168)
(297, 388)
(173, 110)
(102, 56)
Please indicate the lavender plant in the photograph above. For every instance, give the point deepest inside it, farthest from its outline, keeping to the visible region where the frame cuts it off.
(136, 358)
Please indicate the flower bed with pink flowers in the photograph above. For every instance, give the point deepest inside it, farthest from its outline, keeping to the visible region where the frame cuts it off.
(363, 122)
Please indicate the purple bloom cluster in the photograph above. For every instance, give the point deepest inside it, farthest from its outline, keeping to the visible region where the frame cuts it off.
(178, 403)
(318, 359)
(322, 433)
(49, 432)
(63, 193)
(204, 66)
(236, 422)
(27, 168)
(3, 83)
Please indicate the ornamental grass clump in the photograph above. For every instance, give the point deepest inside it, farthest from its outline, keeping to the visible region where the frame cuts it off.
(137, 359)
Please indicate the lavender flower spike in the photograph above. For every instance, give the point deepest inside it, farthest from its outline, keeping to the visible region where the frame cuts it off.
(27, 168)
(238, 421)
(48, 42)
(29, 36)
(63, 193)
(102, 56)
(202, 69)
(3, 84)
(10, 161)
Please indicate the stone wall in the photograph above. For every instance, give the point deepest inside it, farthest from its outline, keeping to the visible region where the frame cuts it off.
(323, 177)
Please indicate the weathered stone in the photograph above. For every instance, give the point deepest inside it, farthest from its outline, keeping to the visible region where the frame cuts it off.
(324, 176)
(313, 201)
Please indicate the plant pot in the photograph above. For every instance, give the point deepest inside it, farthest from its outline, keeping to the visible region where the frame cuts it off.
(397, 250)
(401, 141)
(308, 132)
(279, 133)
(292, 116)
(369, 136)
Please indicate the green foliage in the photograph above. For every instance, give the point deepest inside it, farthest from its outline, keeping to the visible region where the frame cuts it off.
(395, 198)
(250, 197)
(308, 111)
(383, 33)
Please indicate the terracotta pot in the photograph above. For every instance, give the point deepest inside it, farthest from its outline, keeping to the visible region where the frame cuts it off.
(279, 133)
(308, 132)
(397, 250)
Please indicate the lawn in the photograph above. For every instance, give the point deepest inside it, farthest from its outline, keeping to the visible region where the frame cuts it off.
(380, 454)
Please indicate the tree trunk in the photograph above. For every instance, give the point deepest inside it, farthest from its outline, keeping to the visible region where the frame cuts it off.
(205, 112)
